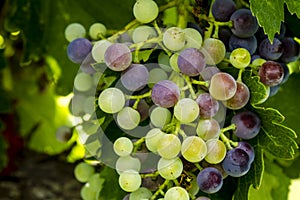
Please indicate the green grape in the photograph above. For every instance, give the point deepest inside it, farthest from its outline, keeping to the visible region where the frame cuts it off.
(141, 193)
(130, 180)
(214, 51)
(193, 149)
(169, 146)
(125, 163)
(123, 146)
(111, 100)
(170, 169)
(174, 38)
(83, 172)
(83, 82)
(177, 192)
(193, 38)
(74, 31)
(96, 182)
(222, 86)
(208, 129)
(153, 138)
(89, 105)
(88, 193)
(258, 62)
(160, 116)
(97, 30)
(145, 11)
(156, 75)
(163, 61)
(216, 151)
(186, 110)
(98, 50)
(240, 58)
(128, 118)
(143, 33)
(174, 62)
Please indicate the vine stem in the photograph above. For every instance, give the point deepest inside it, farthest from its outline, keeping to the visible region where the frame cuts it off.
(189, 84)
(154, 174)
(160, 190)
(138, 143)
(147, 94)
(225, 139)
(202, 83)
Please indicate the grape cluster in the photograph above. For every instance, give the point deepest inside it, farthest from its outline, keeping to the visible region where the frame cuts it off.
(171, 107)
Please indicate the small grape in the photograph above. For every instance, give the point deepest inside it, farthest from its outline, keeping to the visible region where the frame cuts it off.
(249, 43)
(125, 163)
(156, 75)
(270, 51)
(210, 180)
(223, 9)
(130, 180)
(74, 31)
(271, 73)
(193, 149)
(141, 193)
(186, 110)
(191, 61)
(208, 106)
(240, 58)
(240, 98)
(222, 86)
(111, 100)
(128, 118)
(145, 11)
(291, 50)
(177, 193)
(170, 169)
(87, 193)
(143, 33)
(214, 51)
(248, 149)
(153, 138)
(165, 94)
(78, 50)
(96, 182)
(135, 77)
(118, 57)
(98, 50)
(83, 82)
(208, 129)
(97, 30)
(193, 38)
(247, 124)
(174, 62)
(208, 72)
(123, 146)
(174, 38)
(169, 146)
(159, 117)
(216, 151)
(83, 172)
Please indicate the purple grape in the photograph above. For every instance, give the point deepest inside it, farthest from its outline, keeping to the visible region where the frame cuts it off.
(270, 51)
(236, 162)
(290, 50)
(271, 73)
(135, 77)
(224, 35)
(165, 94)
(248, 149)
(196, 27)
(210, 180)
(208, 106)
(247, 124)
(208, 72)
(240, 98)
(191, 61)
(249, 43)
(286, 73)
(79, 49)
(118, 57)
(274, 90)
(244, 23)
(223, 9)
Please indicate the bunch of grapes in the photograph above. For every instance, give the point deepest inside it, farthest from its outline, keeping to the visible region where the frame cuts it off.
(169, 94)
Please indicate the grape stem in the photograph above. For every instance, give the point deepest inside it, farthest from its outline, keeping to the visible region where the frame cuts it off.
(198, 166)
(145, 95)
(189, 84)
(160, 190)
(138, 143)
(240, 75)
(228, 143)
(202, 83)
(154, 174)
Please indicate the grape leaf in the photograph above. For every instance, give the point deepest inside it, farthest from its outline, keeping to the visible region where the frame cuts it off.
(293, 6)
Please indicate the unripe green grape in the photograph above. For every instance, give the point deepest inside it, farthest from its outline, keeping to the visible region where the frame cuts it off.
(240, 58)
(208, 129)
(193, 38)
(83, 172)
(164, 61)
(216, 151)
(145, 11)
(153, 138)
(128, 118)
(125, 163)
(174, 38)
(141, 193)
(169, 147)
(123, 146)
(156, 75)
(174, 62)
(88, 193)
(169, 169)
(186, 110)
(96, 182)
(258, 62)
(159, 117)
(193, 149)
(74, 31)
(83, 82)
(177, 192)
(98, 50)
(130, 180)
(143, 33)
(111, 100)
(96, 30)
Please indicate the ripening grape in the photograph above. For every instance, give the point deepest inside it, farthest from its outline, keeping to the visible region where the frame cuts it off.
(135, 77)
(141, 193)
(193, 149)
(240, 98)
(125, 163)
(83, 172)
(97, 30)
(128, 118)
(174, 38)
(118, 57)
(191, 61)
(130, 180)
(193, 38)
(208, 129)
(169, 169)
(74, 31)
(111, 100)
(153, 138)
(83, 82)
(216, 151)
(145, 11)
(222, 86)
(165, 94)
(208, 106)
(214, 51)
(210, 180)
(240, 58)
(123, 146)
(223, 9)
(177, 193)
(79, 49)
(271, 73)
(159, 117)
(186, 110)
(270, 51)
(247, 124)
(98, 50)
(169, 146)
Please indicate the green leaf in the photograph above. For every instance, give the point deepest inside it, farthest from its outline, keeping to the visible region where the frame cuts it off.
(269, 14)
(293, 6)
(258, 91)
(143, 55)
(111, 189)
